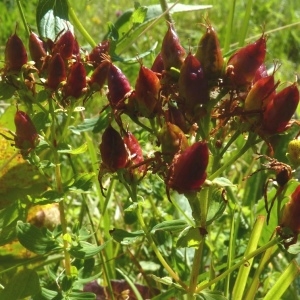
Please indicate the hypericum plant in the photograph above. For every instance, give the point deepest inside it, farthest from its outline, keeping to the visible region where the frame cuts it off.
(156, 182)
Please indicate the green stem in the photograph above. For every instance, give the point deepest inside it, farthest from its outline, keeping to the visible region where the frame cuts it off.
(79, 26)
(164, 8)
(23, 17)
(156, 251)
(243, 261)
(229, 26)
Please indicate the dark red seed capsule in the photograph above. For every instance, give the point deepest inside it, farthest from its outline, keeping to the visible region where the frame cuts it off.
(113, 151)
(56, 72)
(243, 64)
(26, 135)
(158, 64)
(65, 45)
(76, 81)
(280, 110)
(147, 89)
(260, 73)
(15, 54)
(172, 52)
(209, 54)
(37, 49)
(96, 55)
(99, 75)
(188, 170)
(118, 86)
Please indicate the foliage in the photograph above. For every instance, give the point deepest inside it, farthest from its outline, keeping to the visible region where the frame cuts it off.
(125, 177)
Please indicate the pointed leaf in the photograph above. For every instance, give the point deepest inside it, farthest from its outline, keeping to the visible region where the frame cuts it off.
(173, 225)
(86, 250)
(124, 237)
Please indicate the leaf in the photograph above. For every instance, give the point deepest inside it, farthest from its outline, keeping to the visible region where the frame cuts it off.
(222, 182)
(81, 296)
(173, 225)
(212, 295)
(39, 241)
(23, 284)
(86, 250)
(81, 183)
(125, 237)
(6, 90)
(81, 149)
(52, 18)
(48, 197)
(217, 205)
(189, 237)
(46, 294)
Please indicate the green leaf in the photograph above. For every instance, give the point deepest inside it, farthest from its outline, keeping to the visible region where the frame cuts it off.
(86, 250)
(173, 225)
(46, 294)
(52, 17)
(39, 241)
(217, 205)
(189, 237)
(125, 237)
(79, 295)
(81, 183)
(138, 16)
(6, 90)
(23, 284)
(212, 295)
(222, 182)
(48, 197)
(81, 149)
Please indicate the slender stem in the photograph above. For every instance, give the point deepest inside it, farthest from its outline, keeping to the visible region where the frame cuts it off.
(229, 26)
(156, 251)
(164, 8)
(245, 260)
(23, 16)
(79, 25)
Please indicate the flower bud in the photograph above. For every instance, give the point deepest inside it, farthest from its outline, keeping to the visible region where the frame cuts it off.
(243, 64)
(158, 64)
(99, 75)
(95, 57)
(56, 72)
(36, 49)
(260, 73)
(280, 110)
(65, 45)
(188, 170)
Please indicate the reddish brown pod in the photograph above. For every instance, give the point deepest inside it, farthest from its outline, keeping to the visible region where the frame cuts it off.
(290, 217)
(280, 110)
(15, 54)
(243, 64)
(99, 75)
(188, 169)
(147, 89)
(118, 86)
(96, 55)
(260, 73)
(36, 49)
(158, 64)
(26, 138)
(113, 151)
(76, 81)
(172, 52)
(193, 86)
(209, 53)
(65, 45)
(56, 72)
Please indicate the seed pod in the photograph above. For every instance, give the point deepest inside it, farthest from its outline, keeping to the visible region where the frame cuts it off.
(260, 73)
(118, 86)
(188, 170)
(26, 137)
(76, 81)
(36, 49)
(175, 116)
(280, 110)
(294, 152)
(56, 72)
(243, 64)
(99, 75)
(95, 57)
(113, 151)
(290, 215)
(158, 64)
(172, 52)
(172, 140)
(65, 45)
(147, 89)
(15, 54)
(209, 54)
(193, 86)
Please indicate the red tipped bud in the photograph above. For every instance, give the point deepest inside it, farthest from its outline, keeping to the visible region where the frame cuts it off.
(15, 54)
(260, 73)
(113, 151)
(96, 55)
(172, 52)
(147, 92)
(209, 54)
(158, 64)
(188, 170)
(99, 75)
(243, 64)
(56, 72)
(36, 49)
(65, 45)
(26, 137)
(280, 110)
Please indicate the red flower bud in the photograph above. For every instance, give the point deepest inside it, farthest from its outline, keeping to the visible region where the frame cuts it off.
(147, 88)
(56, 72)
(65, 45)
(193, 87)
(76, 81)
(260, 73)
(95, 57)
(15, 54)
(158, 64)
(113, 151)
(36, 49)
(243, 64)
(99, 75)
(188, 170)
(118, 85)
(172, 52)
(280, 110)
(209, 54)
(26, 137)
